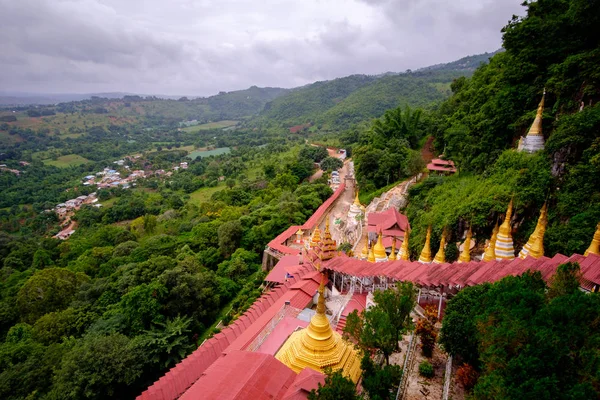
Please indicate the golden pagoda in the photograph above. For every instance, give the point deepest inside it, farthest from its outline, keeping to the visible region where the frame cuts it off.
(379, 250)
(490, 250)
(356, 200)
(316, 237)
(355, 210)
(535, 245)
(404, 252)
(318, 346)
(595, 245)
(327, 247)
(371, 256)
(465, 256)
(504, 248)
(392, 256)
(440, 256)
(425, 256)
(534, 140)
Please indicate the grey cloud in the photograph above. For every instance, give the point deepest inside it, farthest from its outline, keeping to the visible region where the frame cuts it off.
(202, 47)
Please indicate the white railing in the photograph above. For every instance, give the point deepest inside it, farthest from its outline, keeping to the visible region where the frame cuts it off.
(447, 379)
(345, 299)
(408, 362)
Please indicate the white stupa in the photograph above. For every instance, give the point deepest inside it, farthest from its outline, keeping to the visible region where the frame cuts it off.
(534, 140)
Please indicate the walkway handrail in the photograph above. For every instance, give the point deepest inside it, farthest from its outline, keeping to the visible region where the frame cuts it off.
(408, 360)
(447, 379)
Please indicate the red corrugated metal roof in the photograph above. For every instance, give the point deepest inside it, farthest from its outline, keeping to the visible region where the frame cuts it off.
(385, 220)
(307, 380)
(467, 274)
(242, 375)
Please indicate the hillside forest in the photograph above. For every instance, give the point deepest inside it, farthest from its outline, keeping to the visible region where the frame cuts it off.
(144, 279)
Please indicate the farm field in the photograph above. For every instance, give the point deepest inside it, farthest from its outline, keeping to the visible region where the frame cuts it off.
(67, 161)
(210, 125)
(205, 153)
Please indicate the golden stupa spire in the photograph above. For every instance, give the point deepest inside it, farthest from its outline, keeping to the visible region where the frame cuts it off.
(535, 245)
(371, 256)
(392, 256)
(505, 249)
(490, 250)
(536, 126)
(403, 253)
(426, 252)
(595, 245)
(379, 249)
(465, 256)
(440, 256)
(318, 346)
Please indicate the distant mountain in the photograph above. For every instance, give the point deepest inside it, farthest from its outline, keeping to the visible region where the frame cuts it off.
(469, 63)
(342, 102)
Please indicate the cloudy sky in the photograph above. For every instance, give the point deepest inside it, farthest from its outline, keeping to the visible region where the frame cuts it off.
(200, 47)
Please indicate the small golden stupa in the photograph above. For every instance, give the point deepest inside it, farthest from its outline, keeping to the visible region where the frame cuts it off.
(535, 245)
(371, 256)
(490, 250)
(440, 256)
(379, 250)
(403, 253)
(465, 255)
(318, 346)
(425, 257)
(595, 245)
(392, 256)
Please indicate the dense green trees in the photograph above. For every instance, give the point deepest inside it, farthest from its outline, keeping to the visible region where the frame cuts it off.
(527, 341)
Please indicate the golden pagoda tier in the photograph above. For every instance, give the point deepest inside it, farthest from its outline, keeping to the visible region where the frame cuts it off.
(490, 250)
(425, 256)
(534, 140)
(379, 250)
(403, 254)
(535, 245)
(316, 238)
(505, 249)
(392, 256)
(440, 256)
(465, 255)
(327, 247)
(595, 245)
(318, 347)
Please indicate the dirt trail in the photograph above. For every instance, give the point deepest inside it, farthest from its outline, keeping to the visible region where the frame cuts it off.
(427, 151)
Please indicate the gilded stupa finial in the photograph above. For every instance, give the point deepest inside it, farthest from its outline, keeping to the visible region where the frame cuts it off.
(465, 255)
(534, 140)
(426, 252)
(595, 245)
(321, 300)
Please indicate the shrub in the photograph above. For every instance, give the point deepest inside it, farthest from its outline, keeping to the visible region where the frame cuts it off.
(426, 332)
(426, 369)
(467, 376)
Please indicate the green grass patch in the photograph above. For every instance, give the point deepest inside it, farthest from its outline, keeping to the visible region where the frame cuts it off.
(67, 161)
(203, 195)
(206, 153)
(210, 125)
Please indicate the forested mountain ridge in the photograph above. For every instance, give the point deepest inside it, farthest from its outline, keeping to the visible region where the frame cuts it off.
(340, 103)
